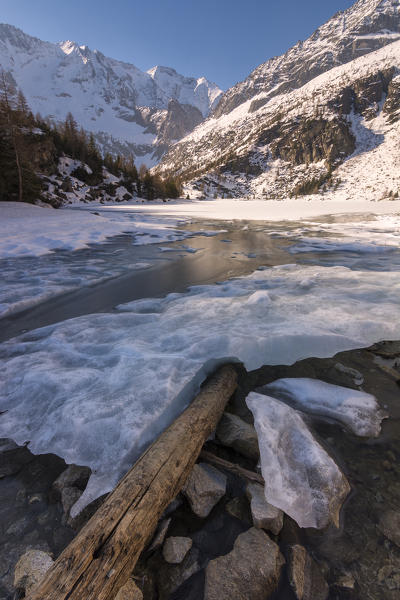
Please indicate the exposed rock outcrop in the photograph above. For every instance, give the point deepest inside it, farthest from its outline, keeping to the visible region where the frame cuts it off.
(251, 570)
(235, 433)
(204, 488)
(30, 569)
(176, 548)
(265, 516)
(306, 579)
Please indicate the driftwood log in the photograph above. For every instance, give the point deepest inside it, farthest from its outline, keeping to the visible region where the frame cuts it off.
(229, 466)
(100, 559)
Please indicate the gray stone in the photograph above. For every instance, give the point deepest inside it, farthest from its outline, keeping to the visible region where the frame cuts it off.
(6, 444)
(240, 509)
(355, 376)
(19, 527)
(305, 576)
(69, 496)
(129, 591)
(170, 577)
(176, 548)
(389, 525)
(160, 534)
(251, 570)
(235, 433)
(30, 569)
(265, 516)
(73, 476)
(346, 581)
(204, 488)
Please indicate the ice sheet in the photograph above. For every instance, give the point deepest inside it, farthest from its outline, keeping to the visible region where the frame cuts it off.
(300, 477)
(28, 230)
(96, 389)
(356, 410)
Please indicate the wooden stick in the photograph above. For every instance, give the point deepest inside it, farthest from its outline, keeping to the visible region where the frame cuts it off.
(221, 462)
(99, 561)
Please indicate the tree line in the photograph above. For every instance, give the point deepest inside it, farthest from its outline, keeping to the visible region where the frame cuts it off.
(30, 147)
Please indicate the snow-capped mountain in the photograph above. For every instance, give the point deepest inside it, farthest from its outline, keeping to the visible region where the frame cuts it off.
(364, 27)
(127, 109)
(276, 135)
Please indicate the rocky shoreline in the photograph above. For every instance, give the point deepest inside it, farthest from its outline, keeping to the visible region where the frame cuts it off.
(220, 538)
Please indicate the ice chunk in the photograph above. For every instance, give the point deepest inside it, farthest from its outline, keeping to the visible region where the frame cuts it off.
(301, 478)
(358, 411)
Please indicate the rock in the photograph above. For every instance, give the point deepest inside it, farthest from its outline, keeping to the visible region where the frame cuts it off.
(239, 508)
(356, 376)
(305, 577)
(73, 476)
(251, 570)
(265, 516)
(346, 581)
(19, 527)
(30, 569)
(160, 534)
(235, 433)
(389, 525)
(389, 576)
(170, 577)
(204, 488)
(129, 591)
(6, 444)
(69, 496)
(173, 506)
(176, 548)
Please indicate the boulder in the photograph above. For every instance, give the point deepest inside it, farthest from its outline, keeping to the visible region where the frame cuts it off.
(251, 570)
(176, 548)
(305, 576)
(171, 577)
(204, 488)
(30, 569)
(265, 516)
(239, 508)
(73, 476)
(235, 433)
(160, 534)
(69, 496)
(129, 591)
(389, 525)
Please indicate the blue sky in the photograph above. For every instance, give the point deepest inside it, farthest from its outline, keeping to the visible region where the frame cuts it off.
(221, 39)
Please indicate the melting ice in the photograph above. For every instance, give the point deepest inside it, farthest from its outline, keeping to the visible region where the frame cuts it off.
(97, 389)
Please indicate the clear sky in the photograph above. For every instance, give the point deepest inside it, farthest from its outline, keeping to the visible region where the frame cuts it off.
(221, 39)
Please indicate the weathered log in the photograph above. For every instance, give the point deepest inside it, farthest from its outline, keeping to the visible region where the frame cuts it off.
(232, 467)
(100, 559)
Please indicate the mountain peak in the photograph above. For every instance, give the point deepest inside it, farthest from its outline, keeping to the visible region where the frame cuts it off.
(364, 27)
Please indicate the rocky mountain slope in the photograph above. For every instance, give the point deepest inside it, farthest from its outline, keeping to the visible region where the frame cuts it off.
(366, 26)
(128, 110)
(276, 135)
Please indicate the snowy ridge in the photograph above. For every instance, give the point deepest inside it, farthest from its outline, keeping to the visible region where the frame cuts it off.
(242, 132)
(362, 28)
(106, 96)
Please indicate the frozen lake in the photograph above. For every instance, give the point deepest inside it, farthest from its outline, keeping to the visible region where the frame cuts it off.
(118, 336)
